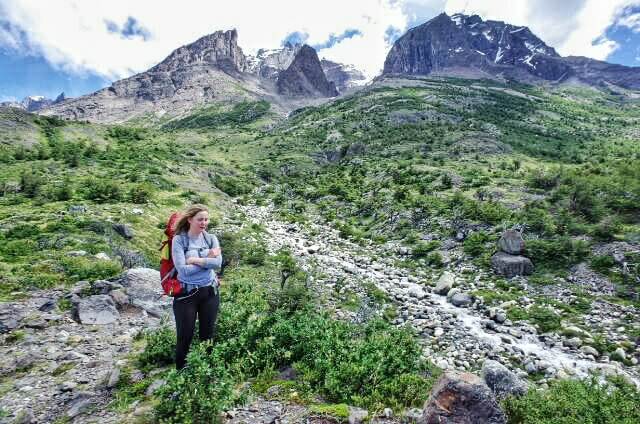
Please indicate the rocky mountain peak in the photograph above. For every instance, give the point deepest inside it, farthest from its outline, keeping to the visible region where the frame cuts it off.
(268, 63)
(305, 77)
(219, 49)
(468, 45)
(468, 41)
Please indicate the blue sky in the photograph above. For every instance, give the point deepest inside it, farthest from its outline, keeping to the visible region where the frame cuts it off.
(79, 46)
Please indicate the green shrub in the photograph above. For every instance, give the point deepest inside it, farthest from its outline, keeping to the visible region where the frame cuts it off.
(474, 244)
(126, 134)
(202, 390)
(603, 263)
(82, 268)
(22, 231)
(18, 248)
(102, 190)
(434, 259)
(541, 316)
(559, 252)
(606, 229)
(141, 193)
(576, 402)
(375, 365)
(233, 186)
(422, 249)
(31, 182)
(160, 348)
(538, 219)
(544, 179)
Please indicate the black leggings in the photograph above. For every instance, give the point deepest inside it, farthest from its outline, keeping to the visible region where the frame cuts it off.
(204, 303)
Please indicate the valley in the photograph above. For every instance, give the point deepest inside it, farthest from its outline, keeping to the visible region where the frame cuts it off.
(376, 238)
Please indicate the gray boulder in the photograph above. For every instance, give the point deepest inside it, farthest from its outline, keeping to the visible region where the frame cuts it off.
(98, 309)
(510, 265)
(511, 242)
(445, 283)
(124, 230)
(501, 381)
(145, 292)
(357, 415)
(461, 398)
(461, 300)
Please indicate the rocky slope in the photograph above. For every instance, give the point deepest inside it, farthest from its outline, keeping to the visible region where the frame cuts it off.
(467, 45)
(305, 77)
(212, 68)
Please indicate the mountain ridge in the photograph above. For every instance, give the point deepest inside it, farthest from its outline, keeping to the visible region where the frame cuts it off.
(498, 49)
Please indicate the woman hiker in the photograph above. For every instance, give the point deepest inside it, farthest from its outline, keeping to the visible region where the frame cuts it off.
(196, 255)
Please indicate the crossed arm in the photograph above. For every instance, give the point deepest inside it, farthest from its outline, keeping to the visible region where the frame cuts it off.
(188, 266)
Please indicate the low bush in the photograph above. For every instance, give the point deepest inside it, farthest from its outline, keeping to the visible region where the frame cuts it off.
(102, 190)
(577, 402)
(422, 249)
(374, 366)
(141, 193)
(603, 263)
(559, 252)
(82, 268)
(474, 244)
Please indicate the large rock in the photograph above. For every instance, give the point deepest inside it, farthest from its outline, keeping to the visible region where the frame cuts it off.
(461, 299)
(98, 309)
(510, 265)
(357, 415)
(124, 230)
(501, 381)
(416, 290)
(305, 77)
(511, 242)
(144, 290)
(445, 283)
(462, 398)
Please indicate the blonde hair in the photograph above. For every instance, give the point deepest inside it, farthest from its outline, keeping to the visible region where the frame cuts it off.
(182, 226)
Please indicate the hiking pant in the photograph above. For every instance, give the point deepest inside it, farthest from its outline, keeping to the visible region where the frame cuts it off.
(203, 303)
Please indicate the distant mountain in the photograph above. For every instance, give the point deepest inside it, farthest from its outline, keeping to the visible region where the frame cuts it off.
(305, 77)
(269, 63)
(469, 46)
(343, 76)
(211, 69)
(34, 103)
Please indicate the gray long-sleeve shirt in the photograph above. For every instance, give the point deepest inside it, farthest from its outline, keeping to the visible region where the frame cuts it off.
(195, 275)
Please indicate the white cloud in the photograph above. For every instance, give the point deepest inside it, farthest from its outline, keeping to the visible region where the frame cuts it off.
(631, 21)
(73, 34)
(368, 49)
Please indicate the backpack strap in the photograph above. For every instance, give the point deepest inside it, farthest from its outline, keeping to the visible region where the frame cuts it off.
(211, 240)
(185, 242)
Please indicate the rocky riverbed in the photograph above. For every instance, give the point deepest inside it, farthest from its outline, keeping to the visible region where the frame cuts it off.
(456, 329)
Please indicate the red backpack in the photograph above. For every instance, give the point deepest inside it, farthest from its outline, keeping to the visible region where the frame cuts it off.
(168, 274)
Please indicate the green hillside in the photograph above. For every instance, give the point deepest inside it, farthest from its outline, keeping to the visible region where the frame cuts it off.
(429, 171)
